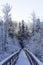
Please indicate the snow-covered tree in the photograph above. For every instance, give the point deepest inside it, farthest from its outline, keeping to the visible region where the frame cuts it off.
(27, 29)
(1, 33)
(38, 24)
(7, 19)
(34, 20)
(6, 11)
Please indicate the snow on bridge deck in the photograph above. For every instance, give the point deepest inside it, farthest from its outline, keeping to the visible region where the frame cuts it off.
(22, 60)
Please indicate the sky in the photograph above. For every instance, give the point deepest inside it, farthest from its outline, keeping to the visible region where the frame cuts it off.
(23, 9)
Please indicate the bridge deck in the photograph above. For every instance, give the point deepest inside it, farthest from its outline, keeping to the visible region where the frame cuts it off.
(22, 60)
(22, 57)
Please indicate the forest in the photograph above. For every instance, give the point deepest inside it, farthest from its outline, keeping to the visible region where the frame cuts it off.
(15, 35)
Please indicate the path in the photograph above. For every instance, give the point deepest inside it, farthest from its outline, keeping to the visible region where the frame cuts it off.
(22, 60)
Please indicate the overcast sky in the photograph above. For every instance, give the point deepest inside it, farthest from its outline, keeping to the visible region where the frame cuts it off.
(22, 9)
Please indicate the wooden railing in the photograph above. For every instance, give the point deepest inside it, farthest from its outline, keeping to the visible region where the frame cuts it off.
(32, 58)
(11, 60)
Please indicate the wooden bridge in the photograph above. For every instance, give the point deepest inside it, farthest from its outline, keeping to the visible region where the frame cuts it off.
(12, 59)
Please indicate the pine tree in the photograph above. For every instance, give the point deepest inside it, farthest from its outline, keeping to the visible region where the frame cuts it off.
(23, 29)
(19, 28)
(11, 30)
(27, 30)
(37, 24)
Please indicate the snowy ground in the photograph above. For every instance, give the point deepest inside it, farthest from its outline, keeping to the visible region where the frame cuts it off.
(12, 46)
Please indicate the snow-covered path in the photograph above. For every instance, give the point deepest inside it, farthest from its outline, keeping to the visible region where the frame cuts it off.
(22, 60)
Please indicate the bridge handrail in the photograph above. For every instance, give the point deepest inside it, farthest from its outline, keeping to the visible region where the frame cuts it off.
(34, 57)
(10, 59)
